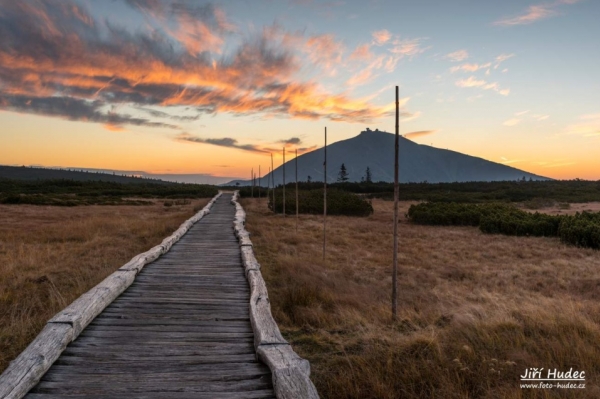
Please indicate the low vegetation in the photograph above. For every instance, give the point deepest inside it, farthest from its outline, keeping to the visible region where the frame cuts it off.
(534, 194)
(49, 256)
(311, 201)
(71, 193)
(581, 229)
(475, 310)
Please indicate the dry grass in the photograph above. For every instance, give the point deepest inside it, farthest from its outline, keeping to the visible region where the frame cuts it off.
(475, 311)
(49, 256)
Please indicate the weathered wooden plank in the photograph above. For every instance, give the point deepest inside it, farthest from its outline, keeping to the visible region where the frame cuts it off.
(27, 369)
(258, 394)
(128, 388)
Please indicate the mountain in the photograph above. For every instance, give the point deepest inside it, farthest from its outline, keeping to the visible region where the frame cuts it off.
(417, 163)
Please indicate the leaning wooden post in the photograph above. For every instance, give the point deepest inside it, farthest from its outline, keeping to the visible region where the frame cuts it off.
(283, 181)
(395, 271)
(325, 197)
(273, 180)
(296, 190)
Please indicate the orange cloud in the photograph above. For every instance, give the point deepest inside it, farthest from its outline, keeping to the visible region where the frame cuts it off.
(65, 55)
(420, 133)
(113, 127)
(361, 53)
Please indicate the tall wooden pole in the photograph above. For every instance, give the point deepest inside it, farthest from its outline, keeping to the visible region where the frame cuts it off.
(252, 182)
(258, 181)
(396, 192)
(283, 181)
(273, 180)
(325, 197)
(268, 187)
(296, 190)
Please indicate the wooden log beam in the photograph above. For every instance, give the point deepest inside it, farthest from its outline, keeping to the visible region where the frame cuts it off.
(266, 331)
(290, 373)
(28, 368)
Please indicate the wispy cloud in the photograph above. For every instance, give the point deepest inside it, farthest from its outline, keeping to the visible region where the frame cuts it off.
(507, 161)
(535, 13)
(457, 56)
(362, 53)
(229, 142)
(470, 67)
(420, 133)
(57, 60)
(472, 81)
(408, 116)
(512, 122)
(221, 142)
(395, 49)
(587, 126)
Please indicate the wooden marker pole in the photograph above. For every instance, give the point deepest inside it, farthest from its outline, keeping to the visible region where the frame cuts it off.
(283, 181)
(325, 197)
(273, 180)
(269, 187)
(396, 192)
(258, 181)
(296, 190)
(252, 182)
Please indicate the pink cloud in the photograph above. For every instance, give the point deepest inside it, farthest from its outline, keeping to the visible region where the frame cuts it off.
(381, 37)
(535, 13)
(457, 56)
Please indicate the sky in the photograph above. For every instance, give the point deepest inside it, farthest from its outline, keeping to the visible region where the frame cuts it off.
(193, 87)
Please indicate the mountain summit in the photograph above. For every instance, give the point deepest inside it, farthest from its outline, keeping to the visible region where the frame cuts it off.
(417, 163)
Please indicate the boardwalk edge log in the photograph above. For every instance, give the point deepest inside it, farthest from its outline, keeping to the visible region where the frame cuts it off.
(291, 373)
(28, 368)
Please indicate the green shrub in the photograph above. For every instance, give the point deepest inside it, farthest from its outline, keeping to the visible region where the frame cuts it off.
(581, 229)
(455, 214)
(311, 201)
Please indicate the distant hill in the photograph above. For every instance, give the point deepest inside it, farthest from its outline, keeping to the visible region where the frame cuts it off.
(32, 173)
(418, 163)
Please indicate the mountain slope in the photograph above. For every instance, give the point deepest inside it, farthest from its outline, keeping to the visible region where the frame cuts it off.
(417, 163)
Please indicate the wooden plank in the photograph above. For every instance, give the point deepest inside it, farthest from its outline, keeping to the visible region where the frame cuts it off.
(27, 369)
(258, 394)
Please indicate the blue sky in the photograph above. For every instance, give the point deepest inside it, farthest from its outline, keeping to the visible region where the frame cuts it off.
(193, 87)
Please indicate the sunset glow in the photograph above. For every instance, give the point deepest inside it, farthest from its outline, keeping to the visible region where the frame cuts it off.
(180, 86)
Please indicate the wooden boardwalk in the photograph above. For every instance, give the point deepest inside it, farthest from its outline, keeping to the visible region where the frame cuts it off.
(181, 330)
